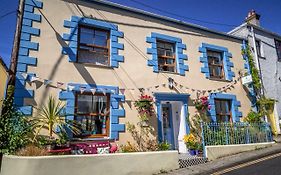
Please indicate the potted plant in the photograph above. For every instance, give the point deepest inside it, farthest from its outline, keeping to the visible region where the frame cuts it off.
(52, 118)
(192, 144)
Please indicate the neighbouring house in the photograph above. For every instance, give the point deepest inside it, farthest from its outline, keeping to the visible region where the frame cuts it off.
(99, 57)
(266, 48)
(3, 78)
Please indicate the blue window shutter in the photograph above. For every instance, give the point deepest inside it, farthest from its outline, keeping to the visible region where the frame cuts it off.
(71, 37)
(179, 47)
(226, 60)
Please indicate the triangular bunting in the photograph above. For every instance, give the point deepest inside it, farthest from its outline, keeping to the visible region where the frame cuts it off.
(93, 90)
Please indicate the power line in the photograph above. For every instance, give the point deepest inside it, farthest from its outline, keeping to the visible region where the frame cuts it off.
(7, 14)
(184, 17)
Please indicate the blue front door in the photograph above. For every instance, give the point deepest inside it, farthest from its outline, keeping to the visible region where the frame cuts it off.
(168, 132)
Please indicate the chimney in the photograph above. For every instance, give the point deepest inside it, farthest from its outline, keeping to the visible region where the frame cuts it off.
(253, 18)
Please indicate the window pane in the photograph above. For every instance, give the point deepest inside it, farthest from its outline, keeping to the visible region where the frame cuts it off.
(101, 40)
(86, 36)
(94, 53)
(166, 60)
(93, 57)
(90, 125)
(94, 121)
(215, 62)
(278, 48)
(99, 104)
(84, 104)
(223, 110)
(258, 46)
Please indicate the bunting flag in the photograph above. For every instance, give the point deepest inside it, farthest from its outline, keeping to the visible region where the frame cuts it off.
(122, 91)
(60, 84)
(104, 91)
(82, 89)
(33, 78)
(141, 90)
(24, 76)
(93, 90)
(70, 88)
(47, 82)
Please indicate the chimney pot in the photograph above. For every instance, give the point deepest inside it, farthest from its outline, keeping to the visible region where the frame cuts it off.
(253, 18)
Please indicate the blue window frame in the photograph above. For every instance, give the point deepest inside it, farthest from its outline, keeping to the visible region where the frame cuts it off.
(225, 66)
(93, 46)
(176, 58)
(232, 108)
(116, 111)
(72, 38)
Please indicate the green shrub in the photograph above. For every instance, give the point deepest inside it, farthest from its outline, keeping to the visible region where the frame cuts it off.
(15, 130)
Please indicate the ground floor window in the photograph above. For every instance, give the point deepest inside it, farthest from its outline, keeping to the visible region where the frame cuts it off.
(223, 110)
(92, 114)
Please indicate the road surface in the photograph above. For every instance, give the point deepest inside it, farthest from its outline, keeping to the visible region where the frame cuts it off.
(269, 165)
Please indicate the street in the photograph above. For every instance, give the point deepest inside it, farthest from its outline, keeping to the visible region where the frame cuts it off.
(269, 165)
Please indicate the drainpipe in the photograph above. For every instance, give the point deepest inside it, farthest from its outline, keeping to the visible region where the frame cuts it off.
(257, 62)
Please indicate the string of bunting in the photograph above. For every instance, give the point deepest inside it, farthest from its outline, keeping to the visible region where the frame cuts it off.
(171, 84)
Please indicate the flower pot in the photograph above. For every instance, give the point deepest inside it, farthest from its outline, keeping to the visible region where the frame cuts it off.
(193, 152)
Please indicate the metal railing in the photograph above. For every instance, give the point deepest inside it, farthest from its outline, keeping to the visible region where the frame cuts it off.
(235, 133)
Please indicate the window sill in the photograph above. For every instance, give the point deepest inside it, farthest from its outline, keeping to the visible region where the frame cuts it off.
(94, 65)
(167, 72)
(216, 79)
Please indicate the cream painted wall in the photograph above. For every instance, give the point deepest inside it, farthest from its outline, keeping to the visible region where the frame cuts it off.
(134, 72)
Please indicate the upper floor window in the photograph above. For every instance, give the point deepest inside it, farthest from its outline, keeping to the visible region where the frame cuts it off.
(278, 49)
(258, 46)
(92, 114)
(166, 56)
(93, 46)
(215, 63)
(223, 110)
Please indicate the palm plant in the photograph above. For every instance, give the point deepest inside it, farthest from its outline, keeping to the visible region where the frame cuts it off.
(52, 117)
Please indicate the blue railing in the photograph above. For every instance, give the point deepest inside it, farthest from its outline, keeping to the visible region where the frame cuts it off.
(235, 133)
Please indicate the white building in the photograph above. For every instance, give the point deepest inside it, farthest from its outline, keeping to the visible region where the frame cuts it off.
(266, 48)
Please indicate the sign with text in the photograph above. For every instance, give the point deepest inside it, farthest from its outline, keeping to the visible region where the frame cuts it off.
(247, 79)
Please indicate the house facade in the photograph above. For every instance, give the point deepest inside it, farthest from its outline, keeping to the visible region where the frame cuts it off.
(3, 78)
(99, 57)
(266, 49)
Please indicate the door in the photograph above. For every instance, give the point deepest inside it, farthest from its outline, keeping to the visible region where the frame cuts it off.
(168, 132)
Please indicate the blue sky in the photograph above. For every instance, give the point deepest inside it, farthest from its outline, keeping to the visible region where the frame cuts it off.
(231, 12)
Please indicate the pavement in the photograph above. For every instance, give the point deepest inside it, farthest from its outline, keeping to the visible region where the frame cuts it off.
(228, 161)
